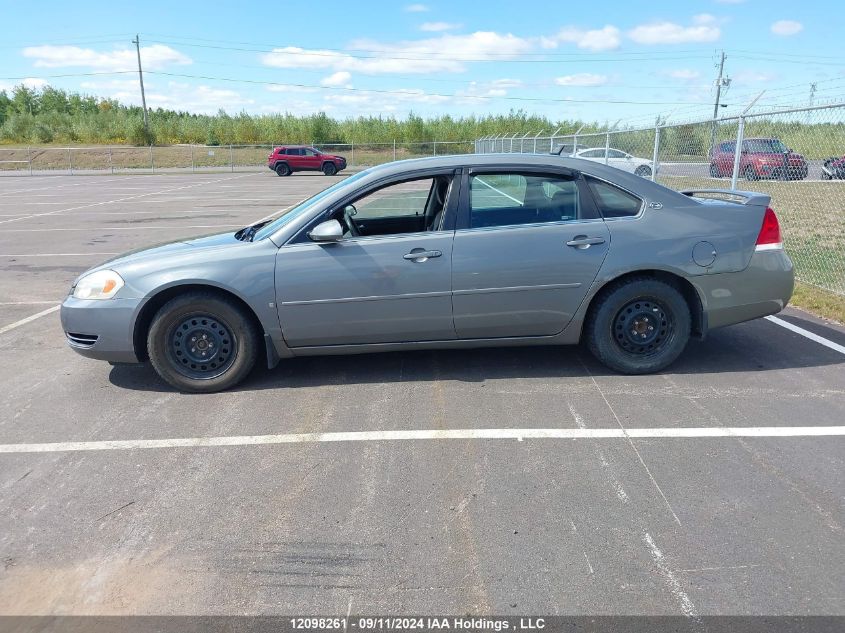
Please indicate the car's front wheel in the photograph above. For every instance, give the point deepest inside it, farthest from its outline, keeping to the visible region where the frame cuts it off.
(714, 171)
(202, 342)
(639, 326)
(329, 169)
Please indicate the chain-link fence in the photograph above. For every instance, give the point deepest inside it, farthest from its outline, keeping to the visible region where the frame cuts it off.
(797, 156)
(183, 158)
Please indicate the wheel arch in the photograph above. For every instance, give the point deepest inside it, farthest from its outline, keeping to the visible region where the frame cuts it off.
(685, 287)
(148, 311)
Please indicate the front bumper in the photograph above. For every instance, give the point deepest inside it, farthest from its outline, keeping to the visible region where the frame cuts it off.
(102, 330)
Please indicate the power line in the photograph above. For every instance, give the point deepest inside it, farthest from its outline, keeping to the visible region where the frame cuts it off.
(411, 93)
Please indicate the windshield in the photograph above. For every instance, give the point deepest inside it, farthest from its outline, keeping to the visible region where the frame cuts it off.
(286, 215)
(766, 146)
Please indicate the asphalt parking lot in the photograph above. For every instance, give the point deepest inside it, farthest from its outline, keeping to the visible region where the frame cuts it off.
(276, 515)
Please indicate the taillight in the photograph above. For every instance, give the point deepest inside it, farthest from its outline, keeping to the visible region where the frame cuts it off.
(769, 238)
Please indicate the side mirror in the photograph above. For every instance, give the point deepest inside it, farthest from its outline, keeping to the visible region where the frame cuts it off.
(328, 231)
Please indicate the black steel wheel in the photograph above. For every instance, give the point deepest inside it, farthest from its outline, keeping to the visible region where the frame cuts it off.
(638, 326)
(203, 342)
(282, 169)
(714, 171)
(329, 169)
(750, 174)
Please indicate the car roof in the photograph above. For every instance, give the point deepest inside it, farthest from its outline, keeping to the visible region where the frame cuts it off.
(641, 186)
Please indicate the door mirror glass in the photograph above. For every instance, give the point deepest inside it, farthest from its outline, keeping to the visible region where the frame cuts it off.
(328, 231)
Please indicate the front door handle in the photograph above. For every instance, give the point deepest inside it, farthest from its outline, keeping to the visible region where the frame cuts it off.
(582, 241)
(420, 255)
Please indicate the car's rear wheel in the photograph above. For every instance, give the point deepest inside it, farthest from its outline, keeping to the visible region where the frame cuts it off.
(643, 171)
(639, 326)
(202, 342)
(329, 169)
(714, 171)
(750, 174)
(282, 169)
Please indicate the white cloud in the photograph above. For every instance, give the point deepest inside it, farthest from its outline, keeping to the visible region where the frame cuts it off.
(340, 78)
(197, 98)
(581, 79)
(438, 54)
(603, 39)
(787, 27)
(33, 83)
(704, 28)
(685, 74)
(436, 27)
(416, 8)
(153, 57)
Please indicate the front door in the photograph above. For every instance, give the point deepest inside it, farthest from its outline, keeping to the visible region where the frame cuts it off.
(527, 248)
(388, 280)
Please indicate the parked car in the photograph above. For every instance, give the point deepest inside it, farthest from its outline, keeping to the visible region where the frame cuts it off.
(759, 158)
(834, 168)
(290, 158)
(619, 159)
(444, 252)
(567, 149)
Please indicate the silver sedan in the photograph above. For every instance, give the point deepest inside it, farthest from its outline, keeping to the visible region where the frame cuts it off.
(447, 252)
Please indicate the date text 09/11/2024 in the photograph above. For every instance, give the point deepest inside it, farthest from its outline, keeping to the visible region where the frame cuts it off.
(417, 623)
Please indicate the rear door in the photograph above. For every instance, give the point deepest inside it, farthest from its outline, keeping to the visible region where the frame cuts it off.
(527, 248)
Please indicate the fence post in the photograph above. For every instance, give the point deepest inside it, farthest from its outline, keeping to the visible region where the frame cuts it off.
(231, 158)
(394, 149)
(152, 162)
(740, 135)
(656, 150)
(111, 164)
(435, 147)
(606, 147)
(193, 170)
(29, 159)
(70, 160)
(352, 157)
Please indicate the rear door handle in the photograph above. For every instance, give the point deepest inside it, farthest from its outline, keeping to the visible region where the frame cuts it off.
(582, 241)
(419, 255)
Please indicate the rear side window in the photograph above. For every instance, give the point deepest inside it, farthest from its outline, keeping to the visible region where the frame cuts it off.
(513, 199)
(612, 201)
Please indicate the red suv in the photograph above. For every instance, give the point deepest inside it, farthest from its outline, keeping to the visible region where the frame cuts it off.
(290, 158)
(760, 158)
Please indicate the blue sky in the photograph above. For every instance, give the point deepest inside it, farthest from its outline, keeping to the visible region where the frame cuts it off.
(628, 60)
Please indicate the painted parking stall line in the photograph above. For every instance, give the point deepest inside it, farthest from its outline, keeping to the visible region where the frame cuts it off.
(433, 434)
(807, 334)
(29, 319)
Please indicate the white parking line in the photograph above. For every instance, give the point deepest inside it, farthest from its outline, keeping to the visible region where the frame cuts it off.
(126, 228)
(807, 334)
(53, 255)
(12, 326)
(435, 434)
(116, 200)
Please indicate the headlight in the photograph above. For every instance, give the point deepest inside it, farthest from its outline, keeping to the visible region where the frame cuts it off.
(102, 284)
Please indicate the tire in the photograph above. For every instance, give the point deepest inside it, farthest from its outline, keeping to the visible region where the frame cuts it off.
(220, 327)
(750, 174)
(643, 171)
(282, 169)
(617, 331)
(329, 169)
(714, 171)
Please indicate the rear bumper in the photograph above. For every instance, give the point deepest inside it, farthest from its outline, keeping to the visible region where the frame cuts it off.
(763, 288)
(101, 330)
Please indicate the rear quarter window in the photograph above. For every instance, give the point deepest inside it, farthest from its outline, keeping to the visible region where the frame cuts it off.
(612, 201)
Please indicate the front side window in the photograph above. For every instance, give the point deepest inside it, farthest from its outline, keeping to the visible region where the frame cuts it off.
(612, 201)
(513, 199)
(411, 206)
(764, 146)
(615, 153)
(310, 152)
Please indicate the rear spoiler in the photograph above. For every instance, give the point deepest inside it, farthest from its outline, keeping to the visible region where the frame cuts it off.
(751, 198)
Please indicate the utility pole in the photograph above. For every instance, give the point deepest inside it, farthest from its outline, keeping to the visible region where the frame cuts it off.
(718, 98)
(137, 43)
(812, 99)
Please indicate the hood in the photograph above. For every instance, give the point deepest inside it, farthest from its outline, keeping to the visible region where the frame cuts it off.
(167, 249)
